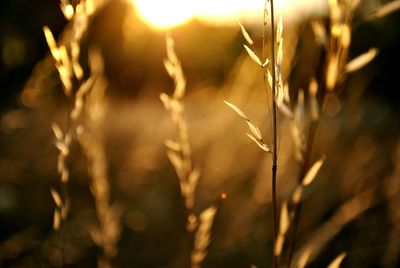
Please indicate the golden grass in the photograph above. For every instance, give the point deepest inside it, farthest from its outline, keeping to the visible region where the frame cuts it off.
(291, 134)
(179, 153)
(89, 103)
(336, 42)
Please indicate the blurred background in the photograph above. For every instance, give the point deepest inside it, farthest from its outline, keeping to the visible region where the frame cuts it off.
(353, 205)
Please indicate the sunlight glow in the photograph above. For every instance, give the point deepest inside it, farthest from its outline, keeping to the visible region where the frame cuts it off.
(164, 14)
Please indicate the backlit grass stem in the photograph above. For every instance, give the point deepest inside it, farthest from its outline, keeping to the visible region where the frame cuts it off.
(274, 128)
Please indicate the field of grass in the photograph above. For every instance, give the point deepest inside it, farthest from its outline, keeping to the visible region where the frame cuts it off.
(123, 145)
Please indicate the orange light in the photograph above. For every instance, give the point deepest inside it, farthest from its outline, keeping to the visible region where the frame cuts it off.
(162, 14)
(223, 195)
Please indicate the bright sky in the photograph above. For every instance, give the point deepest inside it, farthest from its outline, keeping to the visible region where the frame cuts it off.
(164, 14)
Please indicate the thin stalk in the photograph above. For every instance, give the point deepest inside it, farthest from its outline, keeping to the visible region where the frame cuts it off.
(273, 127)
(306, 165)
(313, 128)
(274, 137)
(298, 206)
(341, 52)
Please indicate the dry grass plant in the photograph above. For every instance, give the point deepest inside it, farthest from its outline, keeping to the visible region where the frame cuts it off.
(179, 153)
(90, 136)
(336, 41)
(273, 80)
(66, 59)
(87, 104)
(88, 97)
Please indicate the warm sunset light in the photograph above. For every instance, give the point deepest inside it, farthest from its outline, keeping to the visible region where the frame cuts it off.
(166, 14)
(199, 133)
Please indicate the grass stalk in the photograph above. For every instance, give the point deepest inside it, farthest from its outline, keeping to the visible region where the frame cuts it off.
(274, 132)
(313, 129)
(199, 226)
(298, 206)
(61, 198)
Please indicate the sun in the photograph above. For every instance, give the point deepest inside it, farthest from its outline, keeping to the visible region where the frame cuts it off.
(164, 14)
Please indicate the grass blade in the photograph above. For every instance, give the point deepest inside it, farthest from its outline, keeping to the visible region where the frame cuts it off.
(336, 262)
(253, 56)
(246, 35)
(237, 110)
(312, 172)
(255, 130)
(362, 60)
(260, 143)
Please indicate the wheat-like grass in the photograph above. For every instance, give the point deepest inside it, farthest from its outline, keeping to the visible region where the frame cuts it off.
(106, 235)
(179, 153)
(203, 236)
(89, 96)
(336, 42)
(273, 79)
(66, 59)
(179, 150)
(90, 105)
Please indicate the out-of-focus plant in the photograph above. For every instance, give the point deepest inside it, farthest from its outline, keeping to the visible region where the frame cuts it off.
(179, 153)
(66, 57)
(83, 95)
